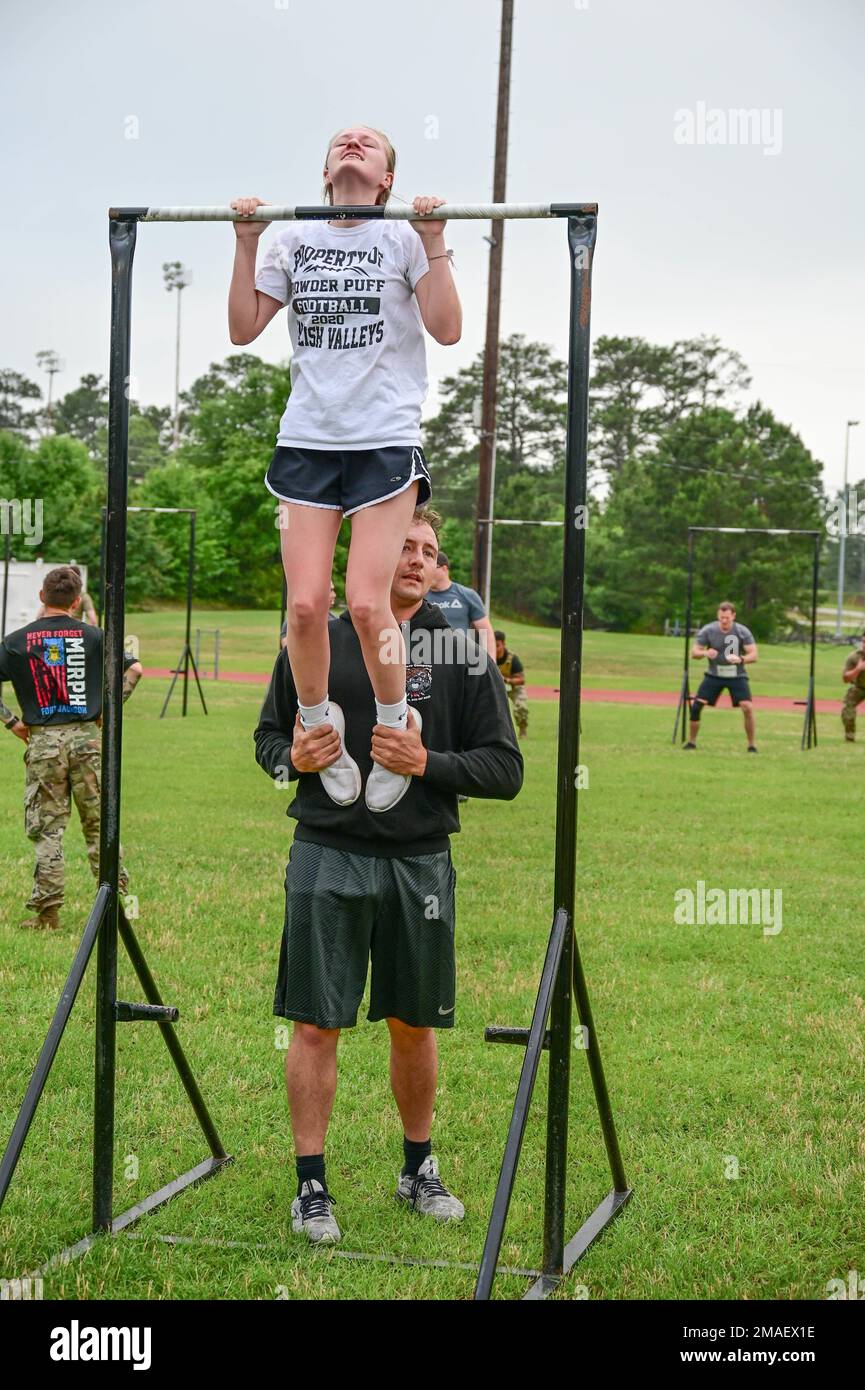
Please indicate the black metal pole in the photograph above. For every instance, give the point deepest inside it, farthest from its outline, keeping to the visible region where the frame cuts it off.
(7, 554)
(172, 1042)
(809, 733)
(190, 571)
(102, 552)
(535, 1043)
(52, 1041)
(686, 674)
(581, 242)
(121, 238)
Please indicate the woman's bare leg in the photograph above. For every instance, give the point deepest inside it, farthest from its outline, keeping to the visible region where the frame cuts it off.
(308, 540)
(377, 538)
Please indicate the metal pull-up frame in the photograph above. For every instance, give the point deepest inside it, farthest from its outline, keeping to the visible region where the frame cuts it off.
(562, 980)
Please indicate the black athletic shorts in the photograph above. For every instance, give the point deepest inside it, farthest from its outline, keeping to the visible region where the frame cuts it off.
(347, 480)
(340, 910)
(711, 687)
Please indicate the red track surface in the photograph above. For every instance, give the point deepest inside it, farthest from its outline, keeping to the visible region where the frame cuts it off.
(549, 692)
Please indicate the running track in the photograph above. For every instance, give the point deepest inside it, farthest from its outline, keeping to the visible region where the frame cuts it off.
(550, 692)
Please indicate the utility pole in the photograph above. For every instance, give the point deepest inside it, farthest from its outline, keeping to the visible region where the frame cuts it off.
(177, 277)
(51, 363)
(482, 565)
(851, 424)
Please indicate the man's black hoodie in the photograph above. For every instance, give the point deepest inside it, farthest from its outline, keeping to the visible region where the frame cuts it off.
(467, 731)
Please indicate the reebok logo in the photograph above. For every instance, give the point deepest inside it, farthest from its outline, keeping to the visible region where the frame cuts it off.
(77, 1343)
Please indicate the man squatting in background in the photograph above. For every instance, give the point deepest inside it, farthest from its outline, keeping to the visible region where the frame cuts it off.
(361, 885)
(730, 646)
(55, 666)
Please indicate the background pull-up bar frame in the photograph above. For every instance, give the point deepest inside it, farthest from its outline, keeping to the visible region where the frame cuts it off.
(809, 730)
(186, 659)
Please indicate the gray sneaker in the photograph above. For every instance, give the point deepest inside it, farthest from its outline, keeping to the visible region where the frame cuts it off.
(310, 1212)
(427, 1193)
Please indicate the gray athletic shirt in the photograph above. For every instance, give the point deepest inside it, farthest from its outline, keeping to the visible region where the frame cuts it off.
(461, 606)
(730, 643)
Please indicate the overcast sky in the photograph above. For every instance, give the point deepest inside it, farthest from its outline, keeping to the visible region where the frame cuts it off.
(760, 243)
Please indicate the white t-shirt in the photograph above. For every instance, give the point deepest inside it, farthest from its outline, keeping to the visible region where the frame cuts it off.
(358, 366)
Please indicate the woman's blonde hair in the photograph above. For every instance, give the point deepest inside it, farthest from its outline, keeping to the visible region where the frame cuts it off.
(390, 153)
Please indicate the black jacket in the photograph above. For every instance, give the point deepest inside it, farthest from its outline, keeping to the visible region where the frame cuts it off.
(467, 731)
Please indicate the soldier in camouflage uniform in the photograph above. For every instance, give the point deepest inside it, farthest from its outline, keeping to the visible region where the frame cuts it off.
(513, 675)
(55, 665)
(854, 677)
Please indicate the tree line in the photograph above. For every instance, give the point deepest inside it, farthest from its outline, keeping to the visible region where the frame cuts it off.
(671, 445)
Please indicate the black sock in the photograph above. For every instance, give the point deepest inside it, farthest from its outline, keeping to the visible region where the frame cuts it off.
(415, 1152)
(309, 1166)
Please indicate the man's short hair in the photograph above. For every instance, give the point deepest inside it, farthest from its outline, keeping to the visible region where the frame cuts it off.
(499, 635)
(61, 587)
(427, 516)
(725, 604)
(442, 560)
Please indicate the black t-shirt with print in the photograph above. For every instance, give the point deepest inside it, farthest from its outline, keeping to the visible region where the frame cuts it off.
(55, 666)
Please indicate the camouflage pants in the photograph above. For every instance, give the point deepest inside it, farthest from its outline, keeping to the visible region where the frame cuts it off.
(63, 764)
(519, 700)
(854, 697)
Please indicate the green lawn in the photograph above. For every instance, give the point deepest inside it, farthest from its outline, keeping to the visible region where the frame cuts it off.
(719, 1042)
(249, 642)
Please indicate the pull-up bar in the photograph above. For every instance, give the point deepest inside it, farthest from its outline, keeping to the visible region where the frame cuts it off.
(752, 531)
(456, 212)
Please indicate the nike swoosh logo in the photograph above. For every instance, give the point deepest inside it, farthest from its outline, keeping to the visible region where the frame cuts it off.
(447, 1011)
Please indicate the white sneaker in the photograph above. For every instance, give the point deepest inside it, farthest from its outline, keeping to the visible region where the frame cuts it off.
(311, 1213)
(342, 780)
(384, 789)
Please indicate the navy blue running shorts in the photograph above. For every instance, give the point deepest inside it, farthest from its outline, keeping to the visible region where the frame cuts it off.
(347, 480)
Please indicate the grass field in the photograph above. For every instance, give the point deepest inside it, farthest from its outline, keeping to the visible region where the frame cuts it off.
(612, 662)
(720, 1042)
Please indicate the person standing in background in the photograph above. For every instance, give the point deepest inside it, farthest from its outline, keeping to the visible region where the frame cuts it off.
(514, 677)
(463, 607)
(55, 666)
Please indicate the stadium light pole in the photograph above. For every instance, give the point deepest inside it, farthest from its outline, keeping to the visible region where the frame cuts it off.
(177, 277)
(842, 548)
(51, 363)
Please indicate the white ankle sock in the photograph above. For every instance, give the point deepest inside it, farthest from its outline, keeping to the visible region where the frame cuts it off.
(396, 716)
(310, 715)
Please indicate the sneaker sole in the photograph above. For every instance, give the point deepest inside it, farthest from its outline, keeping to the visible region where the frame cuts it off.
(338, 722)
(380, 810)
